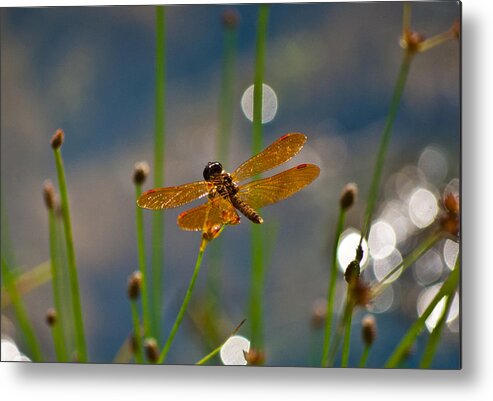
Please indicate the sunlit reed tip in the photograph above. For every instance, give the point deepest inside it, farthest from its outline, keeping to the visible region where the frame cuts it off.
(319, 313)
(411, 40)
(141, 171)
(51, 317)
(368, 329)
(348, 196)
(49, 195)
(151, 349)
(456, 29)
(254, 357)
(230, 18)
(134, 285)
(57, 139)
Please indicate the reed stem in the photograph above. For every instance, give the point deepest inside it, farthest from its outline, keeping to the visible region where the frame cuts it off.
(364, 356)
(136, 332)
(72, 267)
(448, 286)
(332, 287)
(139, 223)
(159, 148)
(58, 332)
(258, 248)
(184, 305)
(20, 312)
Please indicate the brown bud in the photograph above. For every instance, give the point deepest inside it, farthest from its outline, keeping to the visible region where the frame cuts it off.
(57, 139)
(134, 284)
(49, 195)
(348, 195)
(230, 18)
(361, 293)
(255, 357)
(411, 40)
(368, 329)
(451, 203)
(141, 171)
(51, 317)
(352, 272)
(319, 313)
(151, 349)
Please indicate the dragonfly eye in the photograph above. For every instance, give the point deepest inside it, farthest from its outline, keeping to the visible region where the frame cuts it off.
(212, 170)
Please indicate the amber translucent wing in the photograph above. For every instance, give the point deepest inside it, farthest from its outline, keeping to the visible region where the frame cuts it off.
(277, 153)
(216, 212)
(165, 198)
(278, 187)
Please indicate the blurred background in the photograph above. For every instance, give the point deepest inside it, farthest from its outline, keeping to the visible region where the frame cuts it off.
(332, 67)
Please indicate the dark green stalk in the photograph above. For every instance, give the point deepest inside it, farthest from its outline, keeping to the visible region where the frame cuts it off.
(364, 356)
(136, 332)
(57, 329)
(377, 172)
(434, 338)
(159, 147)
(139, 223)
(184, 305)
(332, 287)
(258, 249)
(72, 267)
(448, 286)
(20, 312)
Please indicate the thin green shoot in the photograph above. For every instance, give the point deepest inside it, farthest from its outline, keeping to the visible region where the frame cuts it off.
(159, 150)
(72, 267)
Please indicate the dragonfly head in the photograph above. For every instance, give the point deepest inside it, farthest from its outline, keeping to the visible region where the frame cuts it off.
(212, 170)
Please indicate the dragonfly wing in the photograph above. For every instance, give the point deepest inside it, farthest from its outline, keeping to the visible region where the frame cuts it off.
(165, 198)
(273, 189)
(213, 214)
(277, 153)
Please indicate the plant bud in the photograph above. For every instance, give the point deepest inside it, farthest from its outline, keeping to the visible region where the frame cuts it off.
(348, 196)
(368, 329)
(230, 18)
(151, 349)
(134, 284)
(49, 195)
(141, 171)
(57, 139)
(51, 317)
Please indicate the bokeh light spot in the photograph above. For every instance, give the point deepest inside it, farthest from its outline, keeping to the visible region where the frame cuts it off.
(346, 251)
(232, 351)
(423, 208)
(269, 103)
(381, 240)
(382, 267)
(450, 252)
(433, 163)
(425, 298)
(428, 268)
(383, 302)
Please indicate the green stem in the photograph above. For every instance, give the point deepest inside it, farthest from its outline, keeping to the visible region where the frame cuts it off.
(258, 248)
(428, 243)
(184, 304)
(348, 310)
(364, 356)
(415, 329)
(136, 332)
(159, 146)
(57, 330)
(20, 312)
(332, 287)
(72, 267)
(434, 338)
(139, 224)
(347, 330)
(377, 172)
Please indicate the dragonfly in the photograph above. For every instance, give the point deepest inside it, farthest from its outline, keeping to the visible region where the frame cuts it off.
(225, 194)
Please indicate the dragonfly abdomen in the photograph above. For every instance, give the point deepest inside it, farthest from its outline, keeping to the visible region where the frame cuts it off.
(246, 209)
